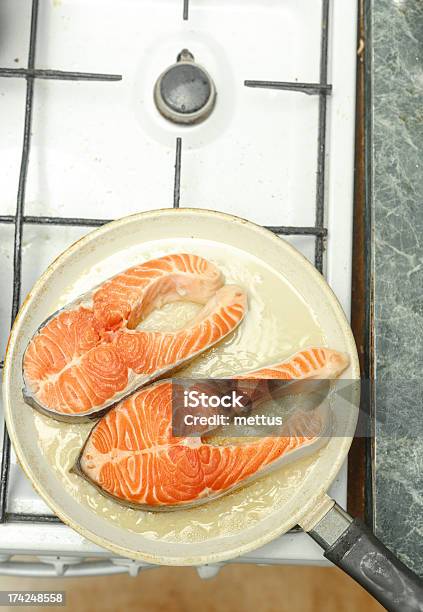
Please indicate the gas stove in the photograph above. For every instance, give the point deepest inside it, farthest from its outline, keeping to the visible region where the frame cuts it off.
(114, 108)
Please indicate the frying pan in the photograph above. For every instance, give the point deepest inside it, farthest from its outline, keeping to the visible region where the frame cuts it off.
(346, 542)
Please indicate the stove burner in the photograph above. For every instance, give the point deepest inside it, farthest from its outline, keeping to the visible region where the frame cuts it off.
(184, 92)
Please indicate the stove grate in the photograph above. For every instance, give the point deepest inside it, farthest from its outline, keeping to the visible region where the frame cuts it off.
(321, 89)
(177, 184)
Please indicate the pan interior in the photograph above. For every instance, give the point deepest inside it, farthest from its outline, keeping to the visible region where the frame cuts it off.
(284, 316)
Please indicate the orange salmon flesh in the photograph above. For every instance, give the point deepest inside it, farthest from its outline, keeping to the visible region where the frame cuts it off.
(89, 355)
(132, 456)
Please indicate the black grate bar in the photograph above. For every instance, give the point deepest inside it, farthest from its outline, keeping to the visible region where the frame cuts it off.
(186, 9)
(17, 255)
(307, 88)
(321, 137)
(18, 517)
(177, 184)
(57, 75)
(297, 231)
(63, 221)
(79, 222)
(17, 251)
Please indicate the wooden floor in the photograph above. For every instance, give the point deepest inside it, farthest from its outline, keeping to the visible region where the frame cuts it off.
(237, 588)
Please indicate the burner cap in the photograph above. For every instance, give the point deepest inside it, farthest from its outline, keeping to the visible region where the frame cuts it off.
(185, 92)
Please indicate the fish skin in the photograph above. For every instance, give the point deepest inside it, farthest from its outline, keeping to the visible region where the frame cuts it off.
(88, 356)
(131, 455)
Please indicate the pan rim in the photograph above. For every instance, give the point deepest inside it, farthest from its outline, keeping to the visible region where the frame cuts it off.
(161, 559)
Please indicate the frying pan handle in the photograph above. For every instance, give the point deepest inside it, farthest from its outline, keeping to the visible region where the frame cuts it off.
(350, 545)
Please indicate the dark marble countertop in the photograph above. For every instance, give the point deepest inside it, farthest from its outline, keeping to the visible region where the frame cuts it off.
(395, 182)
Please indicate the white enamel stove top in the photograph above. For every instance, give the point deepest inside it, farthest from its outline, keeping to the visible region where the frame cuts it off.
(102, 150)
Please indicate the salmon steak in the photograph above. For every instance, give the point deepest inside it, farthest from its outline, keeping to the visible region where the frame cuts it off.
(319, 364)
(90, 354)
(132, 455)
(311, 363)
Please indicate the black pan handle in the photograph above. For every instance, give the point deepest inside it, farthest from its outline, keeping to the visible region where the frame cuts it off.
(350, 545)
